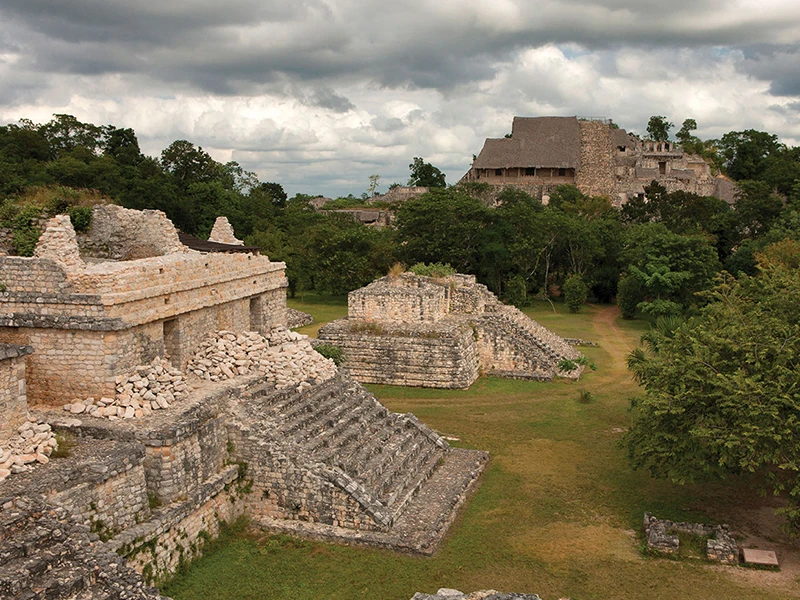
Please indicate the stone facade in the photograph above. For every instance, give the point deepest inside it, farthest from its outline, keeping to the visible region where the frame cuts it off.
(92, 314)
(592, 154)
(420, 331)
(13, 389)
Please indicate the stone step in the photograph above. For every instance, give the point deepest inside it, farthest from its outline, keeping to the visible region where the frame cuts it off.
(373, 471)
(404, 467)
(373, 441)
(396, 497)
(304, 412)
(349, 434)
(317, 420)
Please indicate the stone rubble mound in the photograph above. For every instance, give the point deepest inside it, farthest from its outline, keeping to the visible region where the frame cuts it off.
(151, 387)
(32, 446)
(285, 358)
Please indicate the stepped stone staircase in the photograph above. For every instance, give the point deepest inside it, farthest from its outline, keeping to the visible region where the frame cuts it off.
(537, 350)
(45, 555)
(338, 434)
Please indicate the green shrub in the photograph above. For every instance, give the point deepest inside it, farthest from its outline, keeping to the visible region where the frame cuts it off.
(629, 294)
(81, 217)
(575, 291)
(517, 291)
(331, 351)
(432, 270)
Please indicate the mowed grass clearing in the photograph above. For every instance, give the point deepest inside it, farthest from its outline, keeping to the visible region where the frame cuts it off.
(558, 511)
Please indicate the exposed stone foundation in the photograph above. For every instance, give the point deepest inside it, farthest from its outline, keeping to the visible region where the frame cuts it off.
(662, 538)
(450, 594)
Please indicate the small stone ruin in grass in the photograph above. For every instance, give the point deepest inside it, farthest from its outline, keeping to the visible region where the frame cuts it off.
(150, 387)
(32, 445)
(450, 594)
(662, 538)
(285, 358)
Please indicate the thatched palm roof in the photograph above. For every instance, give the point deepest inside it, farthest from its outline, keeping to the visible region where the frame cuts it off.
(540, 142)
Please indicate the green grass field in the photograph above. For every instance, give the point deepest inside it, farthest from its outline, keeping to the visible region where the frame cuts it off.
(558, 511)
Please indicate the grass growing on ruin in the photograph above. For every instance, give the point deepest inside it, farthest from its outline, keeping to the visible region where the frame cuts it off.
(558, 511)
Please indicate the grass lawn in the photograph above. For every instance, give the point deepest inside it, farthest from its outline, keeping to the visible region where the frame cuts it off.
(558, 512)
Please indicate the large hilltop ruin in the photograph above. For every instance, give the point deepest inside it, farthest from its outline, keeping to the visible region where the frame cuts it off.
(442, 332)
(187, 403)
(599, 158)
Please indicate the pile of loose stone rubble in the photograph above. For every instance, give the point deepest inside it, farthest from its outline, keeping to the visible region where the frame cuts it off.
(285, 358)
(33, 445)
(151, 387)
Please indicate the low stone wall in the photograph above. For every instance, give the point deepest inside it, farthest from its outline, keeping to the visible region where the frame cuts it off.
(451, 594)
(661, 535)
(13, 390)
(442, 355)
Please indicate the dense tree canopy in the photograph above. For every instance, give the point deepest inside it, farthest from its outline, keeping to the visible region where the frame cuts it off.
(721, 391)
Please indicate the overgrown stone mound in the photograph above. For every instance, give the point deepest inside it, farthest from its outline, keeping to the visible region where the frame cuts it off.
(443, 332)
(151, 387)
(285, 358)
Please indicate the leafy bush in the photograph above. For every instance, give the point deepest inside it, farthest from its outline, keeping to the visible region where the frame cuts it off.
(517, 291)
(575, 291)
(629, 294)
(81, 217)
(331, 351)
(432, 270)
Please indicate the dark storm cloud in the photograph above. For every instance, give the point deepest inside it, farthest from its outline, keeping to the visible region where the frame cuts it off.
(241, 46)
(780, 65)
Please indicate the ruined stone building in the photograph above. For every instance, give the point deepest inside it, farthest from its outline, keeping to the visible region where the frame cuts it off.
(264, 426)
(428, 332)
(600, 159)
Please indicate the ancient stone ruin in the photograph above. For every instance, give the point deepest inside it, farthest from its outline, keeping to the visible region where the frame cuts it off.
(662, 538)
(429, 332)
(180, 400)
(450, 594)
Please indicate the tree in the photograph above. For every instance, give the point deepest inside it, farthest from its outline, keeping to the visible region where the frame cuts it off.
(425, 174)
(721, 394)
(372, 190)
(745, 152)
(575, 291)
(670, 268)
(443, 225)
(658, 128)
(189, 164)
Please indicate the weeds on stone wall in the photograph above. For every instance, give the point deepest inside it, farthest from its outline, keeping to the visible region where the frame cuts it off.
(24, 215)
(331, 351)
(436, 270)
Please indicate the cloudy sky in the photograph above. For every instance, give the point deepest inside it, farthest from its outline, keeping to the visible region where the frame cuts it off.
(320, 94)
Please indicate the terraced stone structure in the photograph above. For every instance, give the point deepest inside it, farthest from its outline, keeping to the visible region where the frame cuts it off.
(442, 332)
(318, 457)
(94, 307)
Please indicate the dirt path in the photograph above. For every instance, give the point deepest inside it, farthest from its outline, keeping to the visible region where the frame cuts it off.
(754, 526)
(612, 339)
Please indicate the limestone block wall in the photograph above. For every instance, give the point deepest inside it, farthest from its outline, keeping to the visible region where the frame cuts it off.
(596, 174)
(398, 304)
(443, 356)
(501, 353)
(119, 233)
(282, 490)
(13, 389)
(176, 536)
